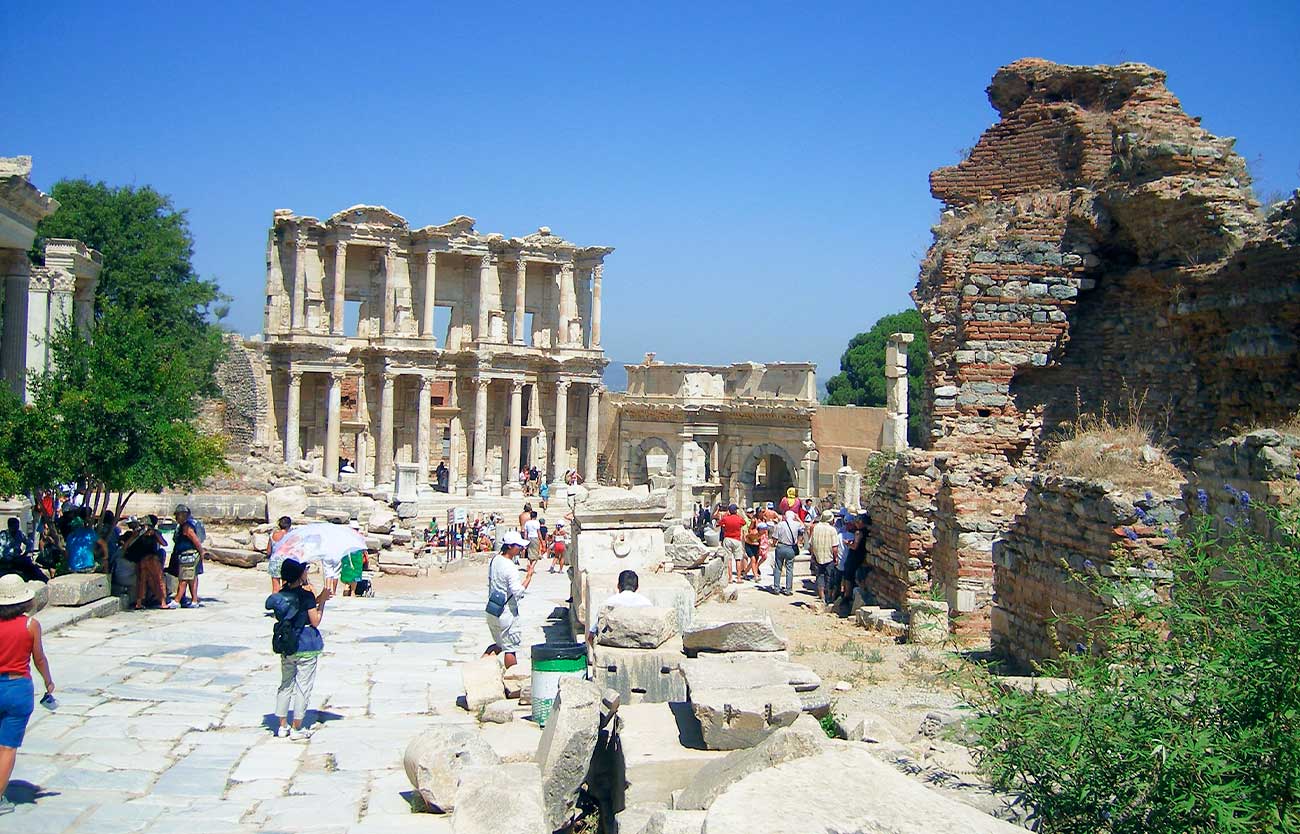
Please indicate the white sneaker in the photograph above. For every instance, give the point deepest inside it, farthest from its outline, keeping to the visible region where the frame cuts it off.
(172, 604)
(282, 732)
(302, 734)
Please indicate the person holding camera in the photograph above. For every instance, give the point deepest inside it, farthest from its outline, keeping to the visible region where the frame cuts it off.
(20, 647)
(297, 640)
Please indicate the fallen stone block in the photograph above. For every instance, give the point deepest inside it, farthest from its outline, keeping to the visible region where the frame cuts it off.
(683, 548)
(77, 588)
(634, 818)
(628, 627)
(675, 822)
(400, 536)
(731, 629)
(883, 801)
(380, 521)
(236, 556)
(333, 516)
(499, 712)
(720, 671)
(482, 679)
(507, 797)
(261, 541)
(407, 509)
(816, 702)
(286, 500)
(733, 719)
(782, 745)
(41, 596)
(927, 622)
(516, 680)
(883, 620)
(565, 750)
(399, 570)
(513, 742)
(641, 675)
(662, 752)
(707, 579)
(437, 758)
(867, 727)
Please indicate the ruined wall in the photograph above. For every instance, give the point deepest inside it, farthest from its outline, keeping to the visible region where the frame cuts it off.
(1072, 527)
(903, 509)
(239, 411)
(1097, 247)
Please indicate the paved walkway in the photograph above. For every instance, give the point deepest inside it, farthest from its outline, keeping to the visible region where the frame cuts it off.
(164, 717)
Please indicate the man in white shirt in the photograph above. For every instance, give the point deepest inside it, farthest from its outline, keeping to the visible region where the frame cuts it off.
(627, 597)
(533, 536)
(504, 592)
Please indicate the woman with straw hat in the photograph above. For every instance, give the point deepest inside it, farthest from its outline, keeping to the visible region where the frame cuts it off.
(20, 645)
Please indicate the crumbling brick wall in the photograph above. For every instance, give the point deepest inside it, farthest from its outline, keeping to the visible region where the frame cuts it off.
(1097, 249)
(240, 411)
(902, 508)
(1071, 528)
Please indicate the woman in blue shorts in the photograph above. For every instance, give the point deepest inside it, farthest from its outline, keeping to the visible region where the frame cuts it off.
(20, 645)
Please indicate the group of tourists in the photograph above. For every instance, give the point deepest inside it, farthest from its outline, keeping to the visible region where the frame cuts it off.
(835, 540)
(541, 541)
(69, 538)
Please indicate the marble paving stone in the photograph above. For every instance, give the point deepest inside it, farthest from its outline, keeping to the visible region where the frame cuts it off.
(180, 780)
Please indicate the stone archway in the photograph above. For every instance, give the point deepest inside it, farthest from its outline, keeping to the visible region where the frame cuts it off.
(780, 471)
(637, 471)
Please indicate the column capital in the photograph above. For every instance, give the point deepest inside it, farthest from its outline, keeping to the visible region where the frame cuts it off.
(596, 388)
(482, 382)
(300, 242)
(563, 384)
(566, 268)
(431, 257)
(295, 375)
(426, 383)
(517, 385)
(521, 264)
(390, 377)
(340, 246)
(597, 272)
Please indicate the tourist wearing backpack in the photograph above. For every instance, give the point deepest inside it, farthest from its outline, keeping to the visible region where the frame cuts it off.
(296, 638)
(187, 556)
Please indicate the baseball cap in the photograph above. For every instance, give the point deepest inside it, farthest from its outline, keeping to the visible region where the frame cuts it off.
(513, 539)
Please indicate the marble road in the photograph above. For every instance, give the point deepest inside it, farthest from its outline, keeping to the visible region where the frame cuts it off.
(165, 718)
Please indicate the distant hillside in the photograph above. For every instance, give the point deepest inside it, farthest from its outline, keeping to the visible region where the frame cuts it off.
(616, 375)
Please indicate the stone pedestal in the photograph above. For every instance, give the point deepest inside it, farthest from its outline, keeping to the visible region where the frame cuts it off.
(848, 483)
(406, 482)
(894, 433)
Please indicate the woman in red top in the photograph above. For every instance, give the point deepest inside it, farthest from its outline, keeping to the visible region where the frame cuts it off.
(20, 644)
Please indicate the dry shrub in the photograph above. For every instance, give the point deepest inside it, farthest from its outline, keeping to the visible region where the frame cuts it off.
(1122, 450)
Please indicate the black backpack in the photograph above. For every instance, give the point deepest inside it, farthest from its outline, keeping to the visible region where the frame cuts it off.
(287, 632)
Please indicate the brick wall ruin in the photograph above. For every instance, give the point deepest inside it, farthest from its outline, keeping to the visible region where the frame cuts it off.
(1098, 250)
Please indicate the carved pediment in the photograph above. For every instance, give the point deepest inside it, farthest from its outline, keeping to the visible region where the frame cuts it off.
(368, 216)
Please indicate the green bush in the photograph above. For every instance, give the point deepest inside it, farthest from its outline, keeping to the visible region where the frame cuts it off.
(1184, 714)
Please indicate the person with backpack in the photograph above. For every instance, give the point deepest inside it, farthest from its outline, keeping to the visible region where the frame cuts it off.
(296, 638)
(187, 557)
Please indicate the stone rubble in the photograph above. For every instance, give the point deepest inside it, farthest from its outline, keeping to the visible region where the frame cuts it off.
(566, 747)
(437, 760)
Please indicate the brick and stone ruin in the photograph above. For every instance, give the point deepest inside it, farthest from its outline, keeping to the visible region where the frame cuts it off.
(1098, 249)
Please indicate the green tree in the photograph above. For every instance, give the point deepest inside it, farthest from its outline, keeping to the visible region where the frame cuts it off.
(861, 380)
(114, 413)
(147, 249)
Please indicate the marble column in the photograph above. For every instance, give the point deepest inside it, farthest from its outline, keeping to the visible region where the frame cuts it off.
(568, 303)
(484, 297)
(422, 429)
(560, 451)
(596, 273)
(299, 313)
(384, 443)
(430, 294)
(479, 459)
(593, 433)
(339, 281)
(291, 419)
(390, 266)
(14, 271)
(333, 419)
(521, 272)
(453, 446)
(895, 430)
(511, 486)
(40, 325)
(363, 436)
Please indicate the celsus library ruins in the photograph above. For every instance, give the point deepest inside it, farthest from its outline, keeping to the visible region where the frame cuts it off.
(1098, 254)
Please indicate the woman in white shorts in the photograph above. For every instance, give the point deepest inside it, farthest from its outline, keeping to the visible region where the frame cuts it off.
(504, 592)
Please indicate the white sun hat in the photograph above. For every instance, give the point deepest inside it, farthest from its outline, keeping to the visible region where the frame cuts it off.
(14, 591)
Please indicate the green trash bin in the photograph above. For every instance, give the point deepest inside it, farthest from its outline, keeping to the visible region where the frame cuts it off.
(552, 661)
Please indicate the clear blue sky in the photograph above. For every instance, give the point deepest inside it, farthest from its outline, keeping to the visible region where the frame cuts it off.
(760, 167)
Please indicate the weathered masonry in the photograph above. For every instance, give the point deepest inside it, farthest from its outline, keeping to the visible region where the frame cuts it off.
(37, 299)
(387, 346)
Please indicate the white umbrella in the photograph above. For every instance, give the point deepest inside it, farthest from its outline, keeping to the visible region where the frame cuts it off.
(319, 542)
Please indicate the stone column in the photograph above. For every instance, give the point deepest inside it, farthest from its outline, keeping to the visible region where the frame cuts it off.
(479, 459)
(14, 271)
(41, 323)
(568, 303)
(453, 447)
(340, 277)
(390, 266)
(430, 296)
(291, 439)
(521, 271)
(299, 313)
(593, 433)
(894, 437)
(597, 272)
(511, 486)
(333, 418)
(484, 297)
(560, 453)
(363, 447)
(422, 447)
(384, 443)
